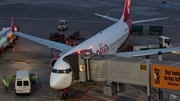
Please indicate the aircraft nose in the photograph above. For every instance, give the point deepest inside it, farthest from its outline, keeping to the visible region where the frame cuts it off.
(53, 82)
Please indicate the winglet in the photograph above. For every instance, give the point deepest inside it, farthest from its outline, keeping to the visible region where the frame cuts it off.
(12, 25)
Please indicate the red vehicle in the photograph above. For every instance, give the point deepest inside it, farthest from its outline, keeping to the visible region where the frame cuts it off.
(56, 37)
(75, 38)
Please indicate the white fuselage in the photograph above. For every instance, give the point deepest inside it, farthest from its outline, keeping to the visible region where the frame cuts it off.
(113, 36)
(104, 42)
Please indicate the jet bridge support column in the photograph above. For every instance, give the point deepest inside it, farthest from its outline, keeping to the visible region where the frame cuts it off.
(84, 72)
(87, 54)
(148, 77)
(160, 56)
(160, 90)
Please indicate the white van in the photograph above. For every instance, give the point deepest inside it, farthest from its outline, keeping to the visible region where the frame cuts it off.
(22, 82)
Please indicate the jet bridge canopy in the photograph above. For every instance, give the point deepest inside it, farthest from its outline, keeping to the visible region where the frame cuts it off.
(117, 69)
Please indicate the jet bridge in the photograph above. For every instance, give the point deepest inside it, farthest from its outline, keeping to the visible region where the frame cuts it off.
(117, 71)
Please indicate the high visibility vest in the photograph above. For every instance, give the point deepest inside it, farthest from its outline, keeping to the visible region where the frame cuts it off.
(5, 82)
(10, 78)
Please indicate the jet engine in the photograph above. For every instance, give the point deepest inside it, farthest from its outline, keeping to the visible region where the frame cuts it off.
(53, 61)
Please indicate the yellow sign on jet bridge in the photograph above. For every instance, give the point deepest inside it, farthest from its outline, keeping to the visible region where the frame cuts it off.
(143, 67)
(166, 77)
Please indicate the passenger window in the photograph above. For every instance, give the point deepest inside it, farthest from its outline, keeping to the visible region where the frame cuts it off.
(19, 83)
(26, 83)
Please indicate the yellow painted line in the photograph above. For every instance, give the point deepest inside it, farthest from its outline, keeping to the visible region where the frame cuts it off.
(23, 62)
(110, 11)
(53, 97)
(18, 62)
(113, 9)
(76, 88)
(39, 64)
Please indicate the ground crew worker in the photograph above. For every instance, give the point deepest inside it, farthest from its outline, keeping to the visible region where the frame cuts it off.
(10, 78)
(33, 78)
(6, 83)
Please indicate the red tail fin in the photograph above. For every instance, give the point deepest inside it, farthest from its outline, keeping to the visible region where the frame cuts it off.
(12, 24)
(126, 10)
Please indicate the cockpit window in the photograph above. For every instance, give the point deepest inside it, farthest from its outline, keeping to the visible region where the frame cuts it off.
(62, 71)
(167, 40)
(54, 70)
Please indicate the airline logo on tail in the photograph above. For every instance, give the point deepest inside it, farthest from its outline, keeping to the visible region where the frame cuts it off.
(126, 10)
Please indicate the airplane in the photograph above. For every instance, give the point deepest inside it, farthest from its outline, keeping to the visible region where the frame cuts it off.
(104, 42)
(7, 36)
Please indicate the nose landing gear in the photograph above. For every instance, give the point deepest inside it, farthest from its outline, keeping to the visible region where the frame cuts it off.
(65, 95)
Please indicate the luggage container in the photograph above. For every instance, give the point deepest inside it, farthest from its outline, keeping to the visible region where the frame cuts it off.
(137, 29)
(157, 29)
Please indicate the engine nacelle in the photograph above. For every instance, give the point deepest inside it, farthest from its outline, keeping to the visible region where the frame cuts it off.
(53, 61)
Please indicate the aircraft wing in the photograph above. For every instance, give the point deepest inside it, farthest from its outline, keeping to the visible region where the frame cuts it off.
(141, 21)
(133, 22)
(51, 44)
(107, 17)
(146, 52)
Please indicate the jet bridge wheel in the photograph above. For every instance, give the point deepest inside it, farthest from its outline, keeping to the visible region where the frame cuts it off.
(17, 38)
(11, 44)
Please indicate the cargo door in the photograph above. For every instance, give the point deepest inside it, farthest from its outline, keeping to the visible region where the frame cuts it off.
(26, 86)
(19, 86)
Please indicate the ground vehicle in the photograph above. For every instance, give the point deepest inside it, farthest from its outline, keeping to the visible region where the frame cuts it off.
(76, 38)
(158, 29)
(7, 37)
(78, 35)
(62, 25)
(22, 82)
(137, 29)
(55, 36)
(163, 42)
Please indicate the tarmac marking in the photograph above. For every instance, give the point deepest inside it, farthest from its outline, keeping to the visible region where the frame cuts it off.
(118, 97)
(171, 93)
(94, 98)
(135, 96)
(76, 89)
(24, 62)
(16, 62)
(50, 97)
(95, 86)
(131, 88)
(86, 91)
